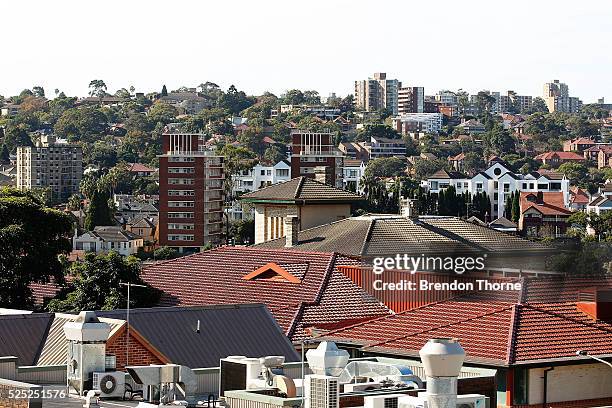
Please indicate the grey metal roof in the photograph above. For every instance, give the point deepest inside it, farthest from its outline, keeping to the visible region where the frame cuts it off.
(114, 234)
(247, 329)
(384, 235)
(22, 336)
(301, 189)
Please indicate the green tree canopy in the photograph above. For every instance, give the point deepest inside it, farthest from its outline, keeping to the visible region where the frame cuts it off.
(96, 285)
(32, 237)
(385, 167)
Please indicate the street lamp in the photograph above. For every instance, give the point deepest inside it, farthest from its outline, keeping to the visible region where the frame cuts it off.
(127, 347)
(584, 353)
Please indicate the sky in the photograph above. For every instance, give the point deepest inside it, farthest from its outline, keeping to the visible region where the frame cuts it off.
(325, 45)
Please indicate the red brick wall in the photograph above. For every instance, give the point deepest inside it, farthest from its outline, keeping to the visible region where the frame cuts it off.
(139, 354)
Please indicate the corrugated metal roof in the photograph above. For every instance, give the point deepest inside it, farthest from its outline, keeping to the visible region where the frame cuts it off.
(54, 350)
(248, 330)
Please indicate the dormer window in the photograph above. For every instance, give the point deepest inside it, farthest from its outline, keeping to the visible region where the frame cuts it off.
(272, 272)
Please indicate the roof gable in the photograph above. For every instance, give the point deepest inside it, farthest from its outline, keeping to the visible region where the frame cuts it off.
(301, 190)
(271, 271)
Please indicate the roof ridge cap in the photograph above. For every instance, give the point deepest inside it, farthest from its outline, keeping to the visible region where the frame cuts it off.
(298, 188)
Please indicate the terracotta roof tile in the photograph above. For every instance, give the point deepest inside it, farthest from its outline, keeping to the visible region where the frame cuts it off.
(323, 295)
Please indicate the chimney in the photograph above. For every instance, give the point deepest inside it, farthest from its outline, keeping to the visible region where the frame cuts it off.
(442, 359)
(540, 199)
(292, 228)
(597, 303)
(409, 207)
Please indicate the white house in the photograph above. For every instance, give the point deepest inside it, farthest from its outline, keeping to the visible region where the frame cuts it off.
(258, 177)
(353, 171)
(499, 181)
(105, 239)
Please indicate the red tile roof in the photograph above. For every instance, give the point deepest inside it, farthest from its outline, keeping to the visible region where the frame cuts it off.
(319, 294)
(552, 203)
(495, 328)
(140, 168)
(579, 196)
(560, 155)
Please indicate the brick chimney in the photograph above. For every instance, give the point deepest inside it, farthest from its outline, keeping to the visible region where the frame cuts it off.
(540, 198)
(597, 303)
(292, 227)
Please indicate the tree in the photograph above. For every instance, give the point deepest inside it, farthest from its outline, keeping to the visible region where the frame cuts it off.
(165, 252)
(516, 207)
(235, 101)
(162, 112)
(376, 130)
(4, 154)
(38, 91)
(538, 105)
(274, 154)
(98, 213)
(32, 237)
(15, 136)
(473, 162)
(96, 285)
(577, 173)
(385, 167)
(236, 159)
(97, 87)
(81, 124)
(485, 101)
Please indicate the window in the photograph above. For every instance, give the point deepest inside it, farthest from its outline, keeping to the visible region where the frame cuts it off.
(524, 186)
(262, 172)
(180, 215)
(180, 203)
(180, 237)
(175, 193)
(542, 186)
(181, 170)
(506, 187)
(180, 226)
(282, 172)
(555, 186)
(497, 171)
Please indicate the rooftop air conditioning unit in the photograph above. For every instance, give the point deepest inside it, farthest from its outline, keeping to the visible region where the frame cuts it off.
(471, 401)
(382, 401)
(111, 384)
(322, 391)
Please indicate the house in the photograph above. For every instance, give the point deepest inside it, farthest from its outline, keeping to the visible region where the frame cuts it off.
(579, 198)
(178, 343)
(354, 151)
(353, 172)
(604, 154)
(301, 289)
(579, 144)
(530, 337)
(504, 225)
(472, 127)
(145, 227)
(600, 203)
(302, 201)
(555, 159)
(498, 181)
(104, 239)
(189, 103)
(379, 147)
(140, 170)
(457, 162)
(379, 235)
(543, 214)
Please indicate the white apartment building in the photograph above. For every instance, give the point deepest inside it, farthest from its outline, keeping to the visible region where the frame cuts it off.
(261, 176)
(418, 122)
(52, 163)
(258, 177)
(499, 181)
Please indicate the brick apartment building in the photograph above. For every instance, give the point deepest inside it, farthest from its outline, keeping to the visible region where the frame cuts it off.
(314, 155)
(190, 192)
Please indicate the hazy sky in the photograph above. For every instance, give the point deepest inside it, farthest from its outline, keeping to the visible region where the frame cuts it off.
(325, 45)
